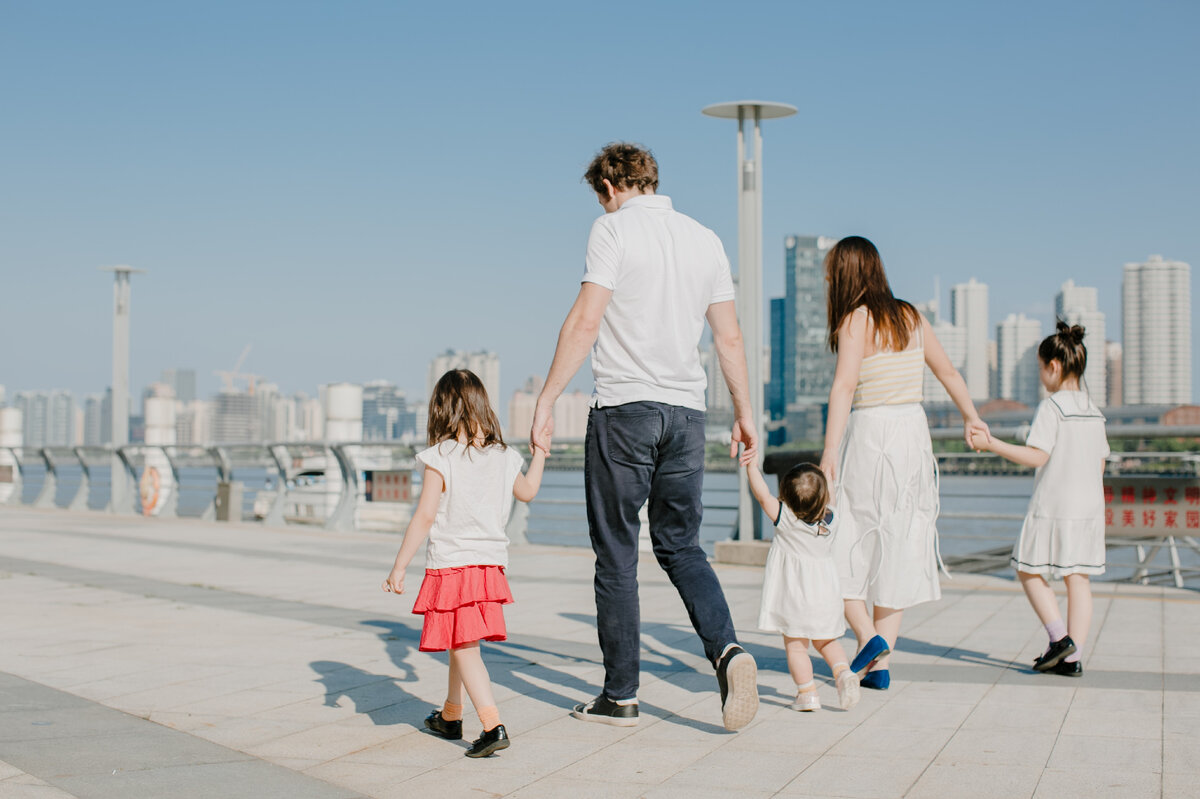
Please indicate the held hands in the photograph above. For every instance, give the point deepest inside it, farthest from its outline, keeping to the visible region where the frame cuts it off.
(744, 433)
(395, 582)
(977, 435)
(542, 429)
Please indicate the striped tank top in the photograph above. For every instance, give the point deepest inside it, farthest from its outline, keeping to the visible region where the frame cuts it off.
(891, 378)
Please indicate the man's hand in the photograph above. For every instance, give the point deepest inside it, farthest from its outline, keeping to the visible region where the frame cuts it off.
(543, 428)
(744, 433)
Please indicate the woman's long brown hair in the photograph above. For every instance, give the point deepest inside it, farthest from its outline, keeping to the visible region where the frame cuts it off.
(459, 408)
(855, 275)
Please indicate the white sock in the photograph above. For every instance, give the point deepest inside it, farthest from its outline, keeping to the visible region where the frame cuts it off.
(625, 701)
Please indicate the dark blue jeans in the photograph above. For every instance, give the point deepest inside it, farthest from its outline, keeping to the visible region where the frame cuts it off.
(637, 452)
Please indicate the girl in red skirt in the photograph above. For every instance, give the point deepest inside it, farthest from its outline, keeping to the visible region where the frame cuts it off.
(470, 480)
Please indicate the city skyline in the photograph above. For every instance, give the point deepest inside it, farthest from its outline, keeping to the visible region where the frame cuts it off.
(328, 227)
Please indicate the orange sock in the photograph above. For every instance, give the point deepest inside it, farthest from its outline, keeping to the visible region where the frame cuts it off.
(489, 717)
(451, 711)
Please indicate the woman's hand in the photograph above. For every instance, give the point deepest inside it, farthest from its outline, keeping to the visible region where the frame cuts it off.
(976, 427)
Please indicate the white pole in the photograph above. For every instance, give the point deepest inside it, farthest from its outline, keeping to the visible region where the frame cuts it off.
(120, 384)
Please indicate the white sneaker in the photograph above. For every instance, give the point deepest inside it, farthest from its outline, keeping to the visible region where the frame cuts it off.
(848, 690)
(806, 700)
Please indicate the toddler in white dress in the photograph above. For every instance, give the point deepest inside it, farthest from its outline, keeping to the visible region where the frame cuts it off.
(801, 596)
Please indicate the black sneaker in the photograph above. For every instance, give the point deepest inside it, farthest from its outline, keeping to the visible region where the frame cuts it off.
(450, 730)
(737, 674)
(1068, 668)
(1054, 653)
(606, 711)
(492, 740)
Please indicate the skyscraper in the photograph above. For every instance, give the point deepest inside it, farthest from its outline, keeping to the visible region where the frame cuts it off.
(386, 415)
(969, 309)
(1077, 305)
(1114, 370)
(807, 362)
(182, 381)
(485, 365)
(1017, 339)
(954, 341)
(1156, 311)
(49, 417)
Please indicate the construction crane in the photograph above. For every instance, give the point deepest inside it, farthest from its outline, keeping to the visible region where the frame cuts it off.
(235, 373)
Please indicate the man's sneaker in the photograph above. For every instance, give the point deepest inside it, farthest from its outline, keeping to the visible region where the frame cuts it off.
(451, 730)
(806, 701)
(1068, 668)
(1054, 653)
(606, 711)
(847, 688)
(737, 674)
(874, 649)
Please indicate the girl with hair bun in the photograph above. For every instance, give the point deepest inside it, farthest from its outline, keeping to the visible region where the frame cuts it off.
(1063, 532)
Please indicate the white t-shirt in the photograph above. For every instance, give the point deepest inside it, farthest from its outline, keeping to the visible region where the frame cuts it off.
(1069, 485)
(664, 270)
(475, 504)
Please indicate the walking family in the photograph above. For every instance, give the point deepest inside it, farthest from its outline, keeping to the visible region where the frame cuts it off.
(855, 539)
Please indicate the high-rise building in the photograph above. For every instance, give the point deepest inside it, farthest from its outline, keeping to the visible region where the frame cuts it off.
(194, 422)
(969, 309)
(485, 365)
(1078, 305)
(1112, 366)
(570, 411)
(93, 420)
(954, 341)
(49, 417)
(807, 362)
(386, 415)
(776, 394)
(235, 419)
(1156, 312)
(182, 382)
(1017, 339)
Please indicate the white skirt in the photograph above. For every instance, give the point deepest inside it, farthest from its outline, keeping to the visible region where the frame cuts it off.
(1058, 547)
(887, 498)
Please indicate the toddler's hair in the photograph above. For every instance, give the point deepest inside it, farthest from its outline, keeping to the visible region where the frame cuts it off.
(806, 493)
(625, 166)
(459, 408)
(1066, 347)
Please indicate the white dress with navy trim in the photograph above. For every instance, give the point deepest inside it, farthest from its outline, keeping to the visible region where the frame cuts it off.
(1063, 532)
(801, 597)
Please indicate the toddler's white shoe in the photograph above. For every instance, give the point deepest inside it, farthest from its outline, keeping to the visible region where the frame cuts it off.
(848, 690)
(806, 700)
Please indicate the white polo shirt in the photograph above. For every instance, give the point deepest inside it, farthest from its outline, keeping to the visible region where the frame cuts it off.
(664, 270)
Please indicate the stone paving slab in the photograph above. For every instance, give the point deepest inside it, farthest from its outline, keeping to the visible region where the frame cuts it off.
(204, 659)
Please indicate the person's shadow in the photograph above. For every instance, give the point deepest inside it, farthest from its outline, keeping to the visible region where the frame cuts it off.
(380, 697)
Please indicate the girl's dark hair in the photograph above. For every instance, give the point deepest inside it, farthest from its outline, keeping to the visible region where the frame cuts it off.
(459, 408)
(806, 493)
(855, 275)
(1066, 347)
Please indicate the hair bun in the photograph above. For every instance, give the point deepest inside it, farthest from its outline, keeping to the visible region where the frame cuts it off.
(1070, 333)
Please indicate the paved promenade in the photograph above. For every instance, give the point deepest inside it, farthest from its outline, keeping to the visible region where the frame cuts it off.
(178, 658)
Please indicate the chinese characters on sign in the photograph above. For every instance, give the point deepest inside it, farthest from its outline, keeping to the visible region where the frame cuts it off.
(388, 486)
(1146, 505)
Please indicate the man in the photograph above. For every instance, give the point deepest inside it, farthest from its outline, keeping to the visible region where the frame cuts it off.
(652, 278)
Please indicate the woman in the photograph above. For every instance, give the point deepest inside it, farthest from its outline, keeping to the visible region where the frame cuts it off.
(878, 453)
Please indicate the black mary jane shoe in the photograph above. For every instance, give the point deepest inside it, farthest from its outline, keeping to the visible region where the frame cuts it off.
(1068, 668)
(450, 730)
(1054, 654)
(492, 740)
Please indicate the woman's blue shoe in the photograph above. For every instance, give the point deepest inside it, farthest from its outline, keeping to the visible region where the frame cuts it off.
(879, 680)
(875, 649)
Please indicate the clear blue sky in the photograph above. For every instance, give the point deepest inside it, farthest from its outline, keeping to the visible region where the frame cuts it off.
(354, 187)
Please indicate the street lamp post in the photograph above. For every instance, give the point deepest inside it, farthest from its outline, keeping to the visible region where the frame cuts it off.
(749, 114)
(118, 498)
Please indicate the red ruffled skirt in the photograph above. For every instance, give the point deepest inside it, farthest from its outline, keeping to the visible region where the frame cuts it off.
(462, 605)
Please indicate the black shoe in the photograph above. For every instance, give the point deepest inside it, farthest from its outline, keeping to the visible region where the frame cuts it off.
(606, 711)
(1068, 668)
(737, 675)
(1054, 653)
(492, 740)
(450, 730)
